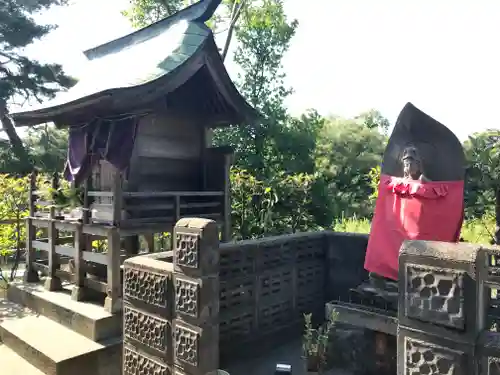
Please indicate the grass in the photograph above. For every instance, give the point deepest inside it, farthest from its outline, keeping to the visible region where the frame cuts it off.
(475, 231)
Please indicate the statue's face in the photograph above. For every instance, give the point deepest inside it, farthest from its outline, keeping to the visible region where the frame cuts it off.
(411, 167)
(411, 163)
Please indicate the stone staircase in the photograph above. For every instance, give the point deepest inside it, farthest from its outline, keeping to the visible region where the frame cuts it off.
(44, 332)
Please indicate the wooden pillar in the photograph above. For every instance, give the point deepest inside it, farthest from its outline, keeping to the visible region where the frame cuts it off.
(117, 198)
(131, 245)
(150, 241)
(113, 302)
(52, 282)
(203, 159)
(78, 291)
(30, 275)
(226, 205)
(177, 217)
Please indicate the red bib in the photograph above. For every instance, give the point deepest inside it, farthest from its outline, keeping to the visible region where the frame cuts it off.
(411, 210)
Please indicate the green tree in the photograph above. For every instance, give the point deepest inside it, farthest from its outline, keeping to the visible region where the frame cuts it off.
(48, 147)
(264, 36)
(23, 79)
(373, 119)
(13, 210)
(273, 206)
(145, 12)
(482, 193)
(294, 146)
(142, 13)
(346, 153)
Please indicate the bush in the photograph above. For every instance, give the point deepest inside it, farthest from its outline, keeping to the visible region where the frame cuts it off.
(479, 231)
(276, 206)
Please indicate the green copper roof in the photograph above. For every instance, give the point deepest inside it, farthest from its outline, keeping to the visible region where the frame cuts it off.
(156, 59)
(139, 63)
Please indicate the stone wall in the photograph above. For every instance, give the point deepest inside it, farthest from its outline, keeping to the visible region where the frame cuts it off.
(346, 257)
(229, 297)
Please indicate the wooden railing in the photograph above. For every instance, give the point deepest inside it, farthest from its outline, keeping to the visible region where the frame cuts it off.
(110, 215)
(132, 209)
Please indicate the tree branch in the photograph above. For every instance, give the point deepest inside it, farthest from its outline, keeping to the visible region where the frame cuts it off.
(235, 15)
(17, 144)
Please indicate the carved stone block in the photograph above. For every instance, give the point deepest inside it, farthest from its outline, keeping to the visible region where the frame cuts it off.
(197, 299)
(186, 343)
(187, 297)
(493, 366)
(135, 363)
(196, 247)
(421, 357)
(146, 329)
(187, 250)
(145, 286)
(435, 295)
(196, 349)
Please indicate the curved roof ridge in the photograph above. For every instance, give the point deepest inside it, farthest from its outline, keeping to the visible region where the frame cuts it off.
(201, 11)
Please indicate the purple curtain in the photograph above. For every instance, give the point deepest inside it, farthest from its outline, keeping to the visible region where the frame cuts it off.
(112, 141)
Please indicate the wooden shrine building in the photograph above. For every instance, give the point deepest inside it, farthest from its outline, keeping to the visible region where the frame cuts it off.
(138, 127)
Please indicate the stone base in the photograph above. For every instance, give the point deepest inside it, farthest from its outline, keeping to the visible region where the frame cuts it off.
(52, 284)
(353, 349)
(13, 364)
(113, 307)
(86, 318)
(78, 293)
(374, 296)
(31, 276)
(56, 350)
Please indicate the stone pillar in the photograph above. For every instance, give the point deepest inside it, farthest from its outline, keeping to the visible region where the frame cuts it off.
(195, 326)
(147, 316)
(488, 278)
(437, 309)
(171, 310)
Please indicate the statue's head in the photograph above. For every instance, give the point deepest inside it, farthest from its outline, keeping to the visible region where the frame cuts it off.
(412, 163)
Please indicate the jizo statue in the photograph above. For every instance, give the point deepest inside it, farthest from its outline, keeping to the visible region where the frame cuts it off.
(420, 195)
(412, 164)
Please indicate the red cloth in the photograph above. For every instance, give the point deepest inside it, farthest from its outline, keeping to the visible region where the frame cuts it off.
(411, 210)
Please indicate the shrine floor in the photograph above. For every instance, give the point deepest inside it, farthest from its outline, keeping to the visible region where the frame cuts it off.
(265, 365)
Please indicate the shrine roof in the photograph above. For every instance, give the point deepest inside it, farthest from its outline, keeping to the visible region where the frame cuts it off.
(129, 72)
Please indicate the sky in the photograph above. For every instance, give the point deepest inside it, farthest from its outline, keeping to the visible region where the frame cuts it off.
(349, 56)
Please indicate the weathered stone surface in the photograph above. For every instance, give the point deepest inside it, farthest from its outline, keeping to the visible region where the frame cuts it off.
(57, 350)
(196, 247)
(186, 343)
(135, 363)
(85, 318)
(427, 358)
(148, 287)
(435, 295)
(493, 366)
(187, 250)
(187, 297)
(147, 316)
(146, 329)
(13, 364)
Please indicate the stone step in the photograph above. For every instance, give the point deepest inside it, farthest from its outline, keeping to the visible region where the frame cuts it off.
(86, 318)
(57, 350)
(13, 364)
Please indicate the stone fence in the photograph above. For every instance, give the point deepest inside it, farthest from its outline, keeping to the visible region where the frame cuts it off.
(188, 313)
(212, 301)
